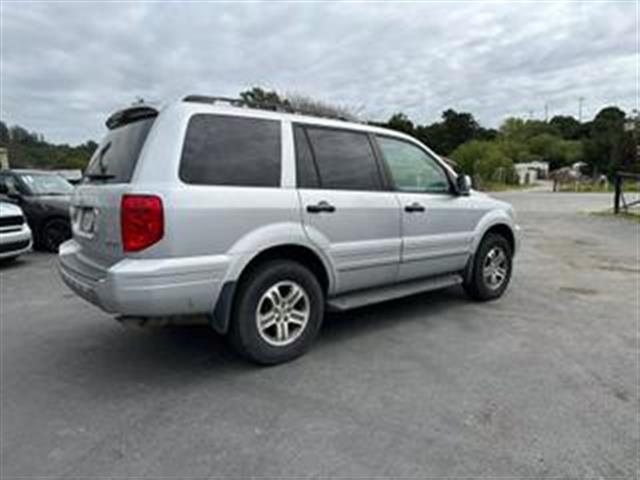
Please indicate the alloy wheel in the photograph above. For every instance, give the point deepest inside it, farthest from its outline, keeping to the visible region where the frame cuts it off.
(283, 313)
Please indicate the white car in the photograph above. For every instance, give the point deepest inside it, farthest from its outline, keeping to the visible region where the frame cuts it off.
(15, 234)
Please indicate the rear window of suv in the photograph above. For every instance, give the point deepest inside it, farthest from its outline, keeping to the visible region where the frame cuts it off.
(229, 150)
(116, 157)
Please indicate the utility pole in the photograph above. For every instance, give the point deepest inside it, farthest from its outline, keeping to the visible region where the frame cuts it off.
(546, 112)
(580, 101)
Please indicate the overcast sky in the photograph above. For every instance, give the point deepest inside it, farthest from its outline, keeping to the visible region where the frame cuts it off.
(65, 66)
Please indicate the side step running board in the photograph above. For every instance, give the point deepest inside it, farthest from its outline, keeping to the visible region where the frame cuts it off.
(375, 295)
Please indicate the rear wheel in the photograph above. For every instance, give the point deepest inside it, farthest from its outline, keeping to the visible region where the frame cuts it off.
(55, 232)
(491, 269)
(277, 312)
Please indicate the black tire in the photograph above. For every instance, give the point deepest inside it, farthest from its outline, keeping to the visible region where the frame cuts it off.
(8, 260)
(476, 285)
(243, 330)
(53, 233)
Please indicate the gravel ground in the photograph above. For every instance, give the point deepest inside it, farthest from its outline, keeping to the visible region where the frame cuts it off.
(542, 383)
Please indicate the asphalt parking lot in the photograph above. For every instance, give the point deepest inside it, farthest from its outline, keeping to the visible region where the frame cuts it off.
(542, 383)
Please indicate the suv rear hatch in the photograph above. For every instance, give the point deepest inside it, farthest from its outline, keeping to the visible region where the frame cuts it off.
(95, 211)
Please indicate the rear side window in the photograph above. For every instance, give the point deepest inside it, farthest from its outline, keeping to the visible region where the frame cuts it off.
(227, 150)
(344, 159)
(116, 157)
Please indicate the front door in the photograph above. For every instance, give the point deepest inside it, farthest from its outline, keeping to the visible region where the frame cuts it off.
(437, 224)
(346, 210)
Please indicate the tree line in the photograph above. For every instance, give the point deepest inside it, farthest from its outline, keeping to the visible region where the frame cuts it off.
(603, 144)
(31, 150)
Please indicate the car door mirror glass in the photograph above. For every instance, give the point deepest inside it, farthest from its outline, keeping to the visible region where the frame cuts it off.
(463, 184)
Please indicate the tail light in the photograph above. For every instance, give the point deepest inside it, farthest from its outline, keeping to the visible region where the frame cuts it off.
(141, 221)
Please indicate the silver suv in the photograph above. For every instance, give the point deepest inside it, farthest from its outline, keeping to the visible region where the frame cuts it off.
(256, 221)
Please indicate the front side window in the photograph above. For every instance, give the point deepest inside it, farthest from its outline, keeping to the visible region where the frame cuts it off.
(412, 169)
(228, 150)
(344, 159)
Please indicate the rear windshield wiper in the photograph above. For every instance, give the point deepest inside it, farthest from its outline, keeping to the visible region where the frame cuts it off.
(99, 176)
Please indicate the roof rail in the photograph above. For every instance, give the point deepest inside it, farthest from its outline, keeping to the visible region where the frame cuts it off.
(276, 107)
(236, 102)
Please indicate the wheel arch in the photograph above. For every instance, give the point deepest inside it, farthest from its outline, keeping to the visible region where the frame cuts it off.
(504, 231)
(303, 254)
(496, 222)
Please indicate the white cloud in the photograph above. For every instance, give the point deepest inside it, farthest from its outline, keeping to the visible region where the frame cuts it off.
(66, 66)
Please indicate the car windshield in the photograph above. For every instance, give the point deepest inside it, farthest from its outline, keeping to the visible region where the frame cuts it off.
(46, 184)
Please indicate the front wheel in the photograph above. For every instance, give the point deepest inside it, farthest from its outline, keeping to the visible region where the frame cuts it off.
(277, 312)
(491, 270)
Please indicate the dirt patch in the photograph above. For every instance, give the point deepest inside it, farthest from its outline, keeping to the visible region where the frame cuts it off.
(579, 290)
(618, 268)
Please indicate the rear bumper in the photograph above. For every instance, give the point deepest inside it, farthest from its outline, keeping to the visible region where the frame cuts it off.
(14, 243)
(145, 287)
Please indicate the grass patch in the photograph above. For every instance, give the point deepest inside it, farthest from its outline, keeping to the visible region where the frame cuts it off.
(504, 187)
(595, 188)
(633, 215)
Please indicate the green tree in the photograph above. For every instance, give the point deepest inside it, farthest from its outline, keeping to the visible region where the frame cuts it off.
(31, 150)
(522, 130)
(566, 126)
(400, 122)
(604, 149)
(455, 129)
(257, 97)
(484, 161)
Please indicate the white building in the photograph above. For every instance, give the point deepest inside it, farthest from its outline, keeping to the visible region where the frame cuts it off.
(530, 172)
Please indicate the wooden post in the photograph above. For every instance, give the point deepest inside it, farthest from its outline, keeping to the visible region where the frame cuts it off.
(616, 197)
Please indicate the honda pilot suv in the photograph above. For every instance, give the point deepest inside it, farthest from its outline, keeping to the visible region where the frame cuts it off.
(256, 221)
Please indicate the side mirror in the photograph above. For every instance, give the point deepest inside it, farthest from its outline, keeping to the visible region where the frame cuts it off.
(463, 184)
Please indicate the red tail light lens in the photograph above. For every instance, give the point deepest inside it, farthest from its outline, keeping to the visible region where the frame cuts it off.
(141, 221)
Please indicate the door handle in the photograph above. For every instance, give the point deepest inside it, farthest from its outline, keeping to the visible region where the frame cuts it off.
(414, 207)
(321, 207)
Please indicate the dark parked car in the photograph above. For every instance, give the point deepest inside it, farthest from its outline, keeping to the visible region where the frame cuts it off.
(44, 197)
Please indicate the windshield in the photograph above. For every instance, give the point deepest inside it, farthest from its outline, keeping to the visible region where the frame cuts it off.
(46, 184)
(116, 157)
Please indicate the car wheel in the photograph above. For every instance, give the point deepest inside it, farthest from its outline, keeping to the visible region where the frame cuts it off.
(55, 232)
(8, 260)
(277, 312)
(491, 269)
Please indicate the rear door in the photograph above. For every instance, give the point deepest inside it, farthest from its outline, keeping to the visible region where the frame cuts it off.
(346, 209)
(95, 210)
(437, 224)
